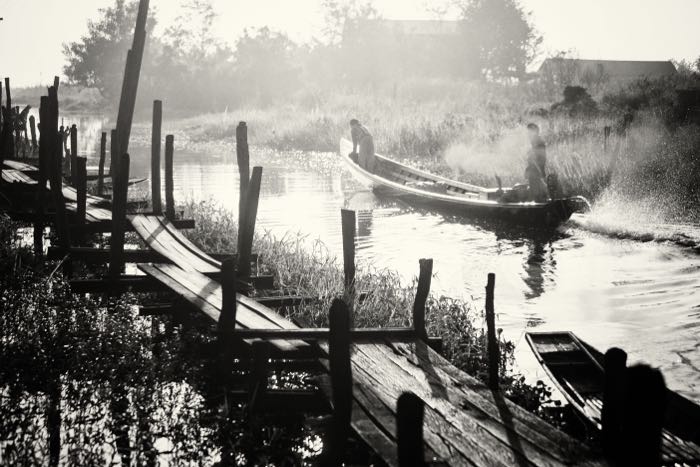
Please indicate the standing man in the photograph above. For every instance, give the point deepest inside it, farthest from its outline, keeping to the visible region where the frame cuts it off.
(536, 161)
(363, 138)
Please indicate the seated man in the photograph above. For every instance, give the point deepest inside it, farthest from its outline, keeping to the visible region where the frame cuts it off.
(363, 138)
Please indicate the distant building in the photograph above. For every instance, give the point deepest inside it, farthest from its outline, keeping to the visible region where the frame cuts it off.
(614, 70)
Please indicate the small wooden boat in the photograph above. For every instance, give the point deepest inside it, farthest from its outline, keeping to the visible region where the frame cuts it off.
(433, 191)
(576, 370)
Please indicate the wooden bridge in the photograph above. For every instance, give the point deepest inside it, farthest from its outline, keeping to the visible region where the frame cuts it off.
(389, 387)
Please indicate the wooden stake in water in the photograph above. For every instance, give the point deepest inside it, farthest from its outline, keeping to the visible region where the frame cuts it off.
(155, 157)
(169, 198)
(348, 229)
(492, 340)
(101, 166)
(341, 381)
(426, 273)
(120, 190)
(247, 234)
(243, 161)
(409, 430)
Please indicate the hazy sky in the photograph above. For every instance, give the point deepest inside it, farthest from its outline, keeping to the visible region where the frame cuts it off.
(32, 31)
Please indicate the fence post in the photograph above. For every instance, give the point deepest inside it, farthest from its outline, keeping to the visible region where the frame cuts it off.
(258, 375)
(341, 381)
(120, 192)
(645, 407)
(615, 365)
(81, 189)
(101, 166)
(348, 228)
(409, 430)
(247, 234)
(169, 185)
(491, 339)
(32, 129)
(155, 157)
(243, 161)
(424, 279)
(73, 154)
(227, 318)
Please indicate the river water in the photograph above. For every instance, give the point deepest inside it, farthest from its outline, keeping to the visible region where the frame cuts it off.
(638, 288)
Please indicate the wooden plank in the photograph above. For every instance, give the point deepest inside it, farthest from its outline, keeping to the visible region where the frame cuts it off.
(364, 334)
(444, 388)
(206, 295)
(21, 166)
(19, 177)
(160, 235)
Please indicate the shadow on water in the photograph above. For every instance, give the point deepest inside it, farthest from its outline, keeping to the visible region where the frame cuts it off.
(81, 384)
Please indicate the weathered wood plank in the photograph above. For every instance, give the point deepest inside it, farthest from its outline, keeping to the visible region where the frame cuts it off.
(206, 295)
(160, 235)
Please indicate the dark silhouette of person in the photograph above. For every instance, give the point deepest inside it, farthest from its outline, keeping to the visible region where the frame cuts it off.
(536, 162)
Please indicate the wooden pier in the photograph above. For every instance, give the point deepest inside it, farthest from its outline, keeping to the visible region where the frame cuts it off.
(388, 387)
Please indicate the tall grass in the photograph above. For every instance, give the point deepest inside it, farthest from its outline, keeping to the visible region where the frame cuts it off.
(314, 272)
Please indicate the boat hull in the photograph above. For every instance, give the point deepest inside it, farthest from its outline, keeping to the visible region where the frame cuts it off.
(408, 185)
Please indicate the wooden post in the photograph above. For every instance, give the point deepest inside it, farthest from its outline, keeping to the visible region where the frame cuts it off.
(44, 161)
(424, 278)
(491, 339)
(9, 148)
(119, 197)
(101, 167)
(615, 365)
(73, 154)
(258, 375)
(243, 161)
(247, 235)
(113, 158)
(32, 129)
(409, 430)
(348, 229)
(341, 380)
(645, 406)
(169, 199)
(227, 318)
(81, 189)
(55, 153)
(155, 157)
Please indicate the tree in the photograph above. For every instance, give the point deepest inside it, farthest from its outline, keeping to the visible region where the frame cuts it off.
(265, 65)
(343, 15)
(499, 38)
(97, 59)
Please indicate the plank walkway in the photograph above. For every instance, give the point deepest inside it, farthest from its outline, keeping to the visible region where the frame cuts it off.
(206, 295)
(18, 177)
(164, 238)
(18, 165)
(465, 422)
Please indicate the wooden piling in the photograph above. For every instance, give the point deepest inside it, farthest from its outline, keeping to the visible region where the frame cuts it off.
(409, 430)
(9, 149)
(644, 408)
(247, 234)
(101, 166)
(424, 279)
(341, 381)
(73, 154)
(227, 318)
(492, 340)
(258, 375)
(615, 366)
(113, 157)
(43, 177)
(169, 199)
(81, 189)
(120, 193)
(155, 157)
(243, 161)
(55, 153)
(348, 228)
(32, 129)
